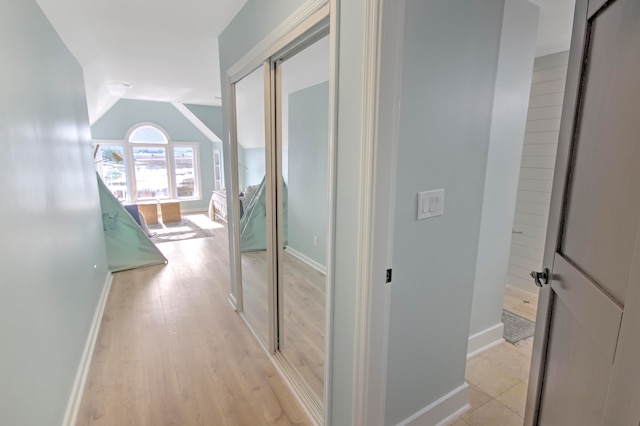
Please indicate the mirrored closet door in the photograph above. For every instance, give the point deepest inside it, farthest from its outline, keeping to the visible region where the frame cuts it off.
(281, 143)
(302, 92)
(253, 182)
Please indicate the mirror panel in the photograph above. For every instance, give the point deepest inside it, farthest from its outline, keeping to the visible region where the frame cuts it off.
(303, 163)
(251, 155)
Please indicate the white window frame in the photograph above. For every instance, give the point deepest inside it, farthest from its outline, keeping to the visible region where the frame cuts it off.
(217, 183)
(127, 148)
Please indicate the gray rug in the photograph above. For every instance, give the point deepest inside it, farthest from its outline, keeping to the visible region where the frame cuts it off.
(516, 328)
(184, 230)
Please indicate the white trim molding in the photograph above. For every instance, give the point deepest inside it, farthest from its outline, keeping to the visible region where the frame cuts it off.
(439, 413)
(384, 34)
(75, 399)
(364, 409)
(485, 339)
(293, 27)
(301, 257)
(193, 119)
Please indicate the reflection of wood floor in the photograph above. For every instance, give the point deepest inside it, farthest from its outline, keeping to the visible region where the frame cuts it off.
(304, 313)
(172, 351)
(304, 300)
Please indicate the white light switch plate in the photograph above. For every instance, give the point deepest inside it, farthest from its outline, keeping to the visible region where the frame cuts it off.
(430, 204)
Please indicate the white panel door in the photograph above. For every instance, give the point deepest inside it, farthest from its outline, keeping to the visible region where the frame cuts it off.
(581, 358)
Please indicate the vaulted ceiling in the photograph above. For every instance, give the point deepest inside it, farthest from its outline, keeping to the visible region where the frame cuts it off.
(168, 50)
(144, 49)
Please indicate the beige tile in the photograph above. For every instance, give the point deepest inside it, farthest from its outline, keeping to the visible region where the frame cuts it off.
(460, 423)
(508, 358)
(477, 398)
(525, 347)
(515, 398)
(528, 311)
(494, 414)
(489, 376)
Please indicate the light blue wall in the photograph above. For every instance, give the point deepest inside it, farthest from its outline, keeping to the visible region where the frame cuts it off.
(308, 164)
(211, 116)
(116, 122)
(52, 229)
(513, 83)
(449, 71)
(253, 166)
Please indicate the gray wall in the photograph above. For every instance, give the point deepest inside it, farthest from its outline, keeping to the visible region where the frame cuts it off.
(513, 82)
(450, 62)
(307, 175)
(52, 235)
(115, 123)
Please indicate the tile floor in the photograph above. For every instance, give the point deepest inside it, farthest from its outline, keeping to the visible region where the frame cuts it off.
(498, 377)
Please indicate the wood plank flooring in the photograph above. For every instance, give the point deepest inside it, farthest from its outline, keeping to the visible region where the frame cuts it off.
(171, 351)
(304, 313)
(304, 321)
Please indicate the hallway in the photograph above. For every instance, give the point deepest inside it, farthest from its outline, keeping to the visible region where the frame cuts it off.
(172, 351)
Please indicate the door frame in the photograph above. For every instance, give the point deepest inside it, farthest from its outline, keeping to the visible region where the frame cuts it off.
(561, 179)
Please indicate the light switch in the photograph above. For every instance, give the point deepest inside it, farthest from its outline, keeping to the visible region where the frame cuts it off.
(430, 204)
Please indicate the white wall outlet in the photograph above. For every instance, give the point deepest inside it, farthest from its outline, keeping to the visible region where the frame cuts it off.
(430, 204)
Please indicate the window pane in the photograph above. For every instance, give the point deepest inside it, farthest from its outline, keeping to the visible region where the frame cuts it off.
(185, 171)
(112, 170)
(147, 134)
(151, 172)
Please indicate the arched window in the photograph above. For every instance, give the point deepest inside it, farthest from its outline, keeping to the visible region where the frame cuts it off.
(153, 166)
(147, 133)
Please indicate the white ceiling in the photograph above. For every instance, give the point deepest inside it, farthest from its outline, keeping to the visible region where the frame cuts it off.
(168, 50)
(554, 28)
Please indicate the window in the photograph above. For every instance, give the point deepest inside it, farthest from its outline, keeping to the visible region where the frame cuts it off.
(217, 169)
(185, 170)
(147, 134)
(112, 169)
(150, 169)
(149, 166)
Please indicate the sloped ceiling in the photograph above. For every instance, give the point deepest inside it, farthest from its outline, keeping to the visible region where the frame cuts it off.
(144, 49)
(167, 50)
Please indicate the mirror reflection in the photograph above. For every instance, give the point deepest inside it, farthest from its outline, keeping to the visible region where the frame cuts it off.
(251, 155)
(304, 167)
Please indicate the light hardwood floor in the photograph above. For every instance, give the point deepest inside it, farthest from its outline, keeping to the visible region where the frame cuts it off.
(171, 351)
(304, 312)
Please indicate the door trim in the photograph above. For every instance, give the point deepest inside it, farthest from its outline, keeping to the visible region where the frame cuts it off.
(568, 129)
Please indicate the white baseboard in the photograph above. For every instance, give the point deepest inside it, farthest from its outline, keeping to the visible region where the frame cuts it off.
(485, 339)
(443, 411)
(75, 399)
(233, 302)
(301, 257)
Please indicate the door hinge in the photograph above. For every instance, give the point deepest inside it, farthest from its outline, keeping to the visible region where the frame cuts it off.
(388, 275)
